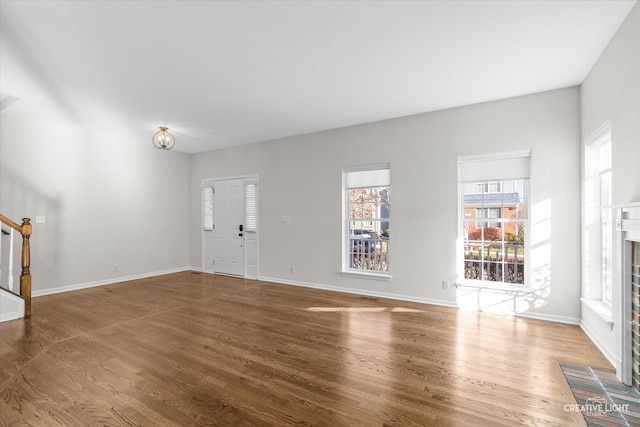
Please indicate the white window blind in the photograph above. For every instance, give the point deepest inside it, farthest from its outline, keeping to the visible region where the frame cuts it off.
(207, 208)
(379, 176)
(250, 205)
(504, 166)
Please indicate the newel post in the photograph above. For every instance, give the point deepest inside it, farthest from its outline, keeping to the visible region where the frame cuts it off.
(25, 277)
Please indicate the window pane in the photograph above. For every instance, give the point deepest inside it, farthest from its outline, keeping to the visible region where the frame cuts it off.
(385, 203)
(598, 185)
(494, 247)
(207, 208)
(250, 212)
(355, 203)
(604, 157)
(605, 189)
(607, 253)
(369, 210)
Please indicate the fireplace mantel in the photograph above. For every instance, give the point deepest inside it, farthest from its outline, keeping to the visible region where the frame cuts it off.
(628, 228)
(628, 221)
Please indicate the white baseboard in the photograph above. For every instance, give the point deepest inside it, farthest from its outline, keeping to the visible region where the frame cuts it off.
(615, 361)
(12, 307)
(398, 297)
(50, 291)
(550, 317)
(13, 315)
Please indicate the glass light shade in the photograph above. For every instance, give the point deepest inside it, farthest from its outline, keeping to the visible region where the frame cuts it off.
(163, 140)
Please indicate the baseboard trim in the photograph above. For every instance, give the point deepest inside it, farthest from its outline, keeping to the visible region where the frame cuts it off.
(355, 291)
(550, 317)
(76, 287)
(399, 297)
(12, 299)
(603, 349)
(408, 298)
(13, 315)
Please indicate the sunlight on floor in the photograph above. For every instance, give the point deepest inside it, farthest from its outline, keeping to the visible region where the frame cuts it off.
(364, 309)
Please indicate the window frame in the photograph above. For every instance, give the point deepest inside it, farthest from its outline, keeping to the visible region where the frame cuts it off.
(346, 269)
(517, 166)
(596, 175)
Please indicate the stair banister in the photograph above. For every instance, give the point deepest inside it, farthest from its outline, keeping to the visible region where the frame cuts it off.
(25, 277)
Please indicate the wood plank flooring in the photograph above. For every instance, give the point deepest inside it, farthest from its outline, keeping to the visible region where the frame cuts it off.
(196, 349)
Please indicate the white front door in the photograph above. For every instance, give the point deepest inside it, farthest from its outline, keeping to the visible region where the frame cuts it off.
(228, 234)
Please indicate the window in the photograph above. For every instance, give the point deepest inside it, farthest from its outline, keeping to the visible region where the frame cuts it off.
(599, 175)
(207, 208)
(366, 219)
(495, 187)
(250, 205)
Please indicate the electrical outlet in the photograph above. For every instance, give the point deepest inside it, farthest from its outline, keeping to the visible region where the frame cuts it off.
(292, 269)
(445, 284)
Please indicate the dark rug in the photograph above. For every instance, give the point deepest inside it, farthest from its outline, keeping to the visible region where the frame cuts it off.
(602, 399)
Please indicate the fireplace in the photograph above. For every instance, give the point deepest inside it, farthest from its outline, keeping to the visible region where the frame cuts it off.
(628, 256)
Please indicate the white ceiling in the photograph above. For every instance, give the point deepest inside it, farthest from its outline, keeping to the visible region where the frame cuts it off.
(223, 73)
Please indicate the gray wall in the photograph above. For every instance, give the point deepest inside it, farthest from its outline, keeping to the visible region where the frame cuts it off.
(106, 201)
(301, 177)
(113, 201)
(611, 91)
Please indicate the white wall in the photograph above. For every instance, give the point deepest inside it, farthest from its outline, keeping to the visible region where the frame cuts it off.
(301, 177)
(111, 201)
(611, 91)
(106, 201)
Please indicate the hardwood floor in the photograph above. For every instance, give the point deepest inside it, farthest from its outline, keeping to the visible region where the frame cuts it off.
(197, 349)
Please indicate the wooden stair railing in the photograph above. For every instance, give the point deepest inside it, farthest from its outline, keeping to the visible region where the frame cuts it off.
(25, 277)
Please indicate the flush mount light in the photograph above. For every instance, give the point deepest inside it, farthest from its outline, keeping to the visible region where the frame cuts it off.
(163, 140)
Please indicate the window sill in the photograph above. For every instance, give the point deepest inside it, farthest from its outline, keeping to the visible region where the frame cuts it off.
(386, 277)
(600, 309)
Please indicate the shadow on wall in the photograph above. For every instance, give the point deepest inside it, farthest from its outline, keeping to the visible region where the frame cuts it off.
(511, 300)
(20, 198)
(32, 66)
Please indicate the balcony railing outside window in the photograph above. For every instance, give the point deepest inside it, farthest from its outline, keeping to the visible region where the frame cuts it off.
(494, 261)
(368, 251)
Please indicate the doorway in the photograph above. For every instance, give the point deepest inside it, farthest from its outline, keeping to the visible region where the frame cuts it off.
(229, 226)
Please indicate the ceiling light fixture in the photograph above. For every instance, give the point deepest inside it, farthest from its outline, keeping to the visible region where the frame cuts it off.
(163, 140)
